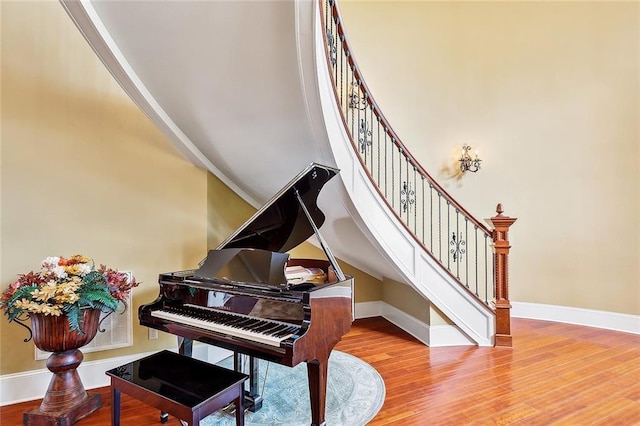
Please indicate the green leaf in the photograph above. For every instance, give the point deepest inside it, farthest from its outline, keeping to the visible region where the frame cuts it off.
(24, 292)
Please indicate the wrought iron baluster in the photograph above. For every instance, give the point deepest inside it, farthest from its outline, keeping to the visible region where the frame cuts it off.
(461, 241)
(351, 111)
(439, 226)
(364, 137)
(357, 121)
(400, 157)
(378, 140)
(406, 174)
(415, 210)
(486, 278)
(423, 208)
(458, 244)
(448, 231)
(393, 198)
(342, 66)
(357, 99)
(386, 160)
(466, 255)
(475, 229)
(431, 215)
(407, 197)
(333, 58)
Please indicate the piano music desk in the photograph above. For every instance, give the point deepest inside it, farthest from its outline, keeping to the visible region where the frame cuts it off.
(186, 388)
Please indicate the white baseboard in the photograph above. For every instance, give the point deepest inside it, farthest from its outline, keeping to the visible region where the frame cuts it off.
(369, 309)
(449, 335)
(580, 316)
(433, 336)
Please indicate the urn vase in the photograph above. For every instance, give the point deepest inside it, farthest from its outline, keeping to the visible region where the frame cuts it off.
(66, 400)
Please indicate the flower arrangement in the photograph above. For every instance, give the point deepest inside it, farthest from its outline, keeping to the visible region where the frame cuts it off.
(65, 286)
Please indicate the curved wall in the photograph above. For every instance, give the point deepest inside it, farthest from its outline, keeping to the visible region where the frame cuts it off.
(549, 94)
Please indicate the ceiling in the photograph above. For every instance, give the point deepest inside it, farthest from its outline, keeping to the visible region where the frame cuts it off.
(233, 85)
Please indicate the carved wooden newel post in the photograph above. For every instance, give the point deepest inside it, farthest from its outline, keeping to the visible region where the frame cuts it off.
(501, 246)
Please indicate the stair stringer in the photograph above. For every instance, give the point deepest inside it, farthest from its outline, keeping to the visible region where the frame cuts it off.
(374, 219)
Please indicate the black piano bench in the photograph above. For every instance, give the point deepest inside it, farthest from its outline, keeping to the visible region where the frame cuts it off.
(186, 388)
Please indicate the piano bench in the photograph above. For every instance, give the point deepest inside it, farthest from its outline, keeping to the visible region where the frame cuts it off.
(184, 387)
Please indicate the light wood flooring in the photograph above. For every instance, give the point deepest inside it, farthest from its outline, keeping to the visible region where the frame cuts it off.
(556, 374)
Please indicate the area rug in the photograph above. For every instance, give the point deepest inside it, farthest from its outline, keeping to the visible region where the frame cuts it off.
(355, 393)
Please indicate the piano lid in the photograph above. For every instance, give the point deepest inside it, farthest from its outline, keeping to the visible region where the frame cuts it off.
(282, 224)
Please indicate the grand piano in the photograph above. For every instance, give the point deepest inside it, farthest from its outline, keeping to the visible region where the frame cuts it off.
(249, 296)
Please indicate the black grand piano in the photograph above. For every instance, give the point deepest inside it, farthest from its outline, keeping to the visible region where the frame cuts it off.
(249, 296)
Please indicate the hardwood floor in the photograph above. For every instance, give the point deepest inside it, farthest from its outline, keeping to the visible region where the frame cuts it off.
(556, 374)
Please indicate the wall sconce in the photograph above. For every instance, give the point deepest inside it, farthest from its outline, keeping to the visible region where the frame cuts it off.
(467, 162)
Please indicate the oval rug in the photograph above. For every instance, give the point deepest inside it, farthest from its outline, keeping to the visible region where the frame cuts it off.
(355, 394)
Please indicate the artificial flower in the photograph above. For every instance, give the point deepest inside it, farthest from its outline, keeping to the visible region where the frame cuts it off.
(65, 286)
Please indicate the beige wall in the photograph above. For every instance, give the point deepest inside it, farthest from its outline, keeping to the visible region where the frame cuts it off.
(406, 299)
(226, 211)
(549, 94)
(83, 170)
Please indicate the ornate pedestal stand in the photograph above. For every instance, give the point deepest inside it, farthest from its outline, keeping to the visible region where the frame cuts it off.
(66, 400)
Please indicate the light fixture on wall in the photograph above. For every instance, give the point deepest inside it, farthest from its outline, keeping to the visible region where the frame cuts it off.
(469, 163)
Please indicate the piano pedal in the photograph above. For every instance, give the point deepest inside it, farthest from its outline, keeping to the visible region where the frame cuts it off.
(230, 409)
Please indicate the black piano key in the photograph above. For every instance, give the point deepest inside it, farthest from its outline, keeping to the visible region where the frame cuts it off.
(242, 323)
(274, 330)
(287, 330)
(278, 328)
(263, 327)
(248, 325)
(236, 322)
(252, 325)
(267, 330)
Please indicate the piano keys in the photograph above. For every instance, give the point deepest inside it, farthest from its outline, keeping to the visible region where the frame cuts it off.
(244, 326)
(241, 299)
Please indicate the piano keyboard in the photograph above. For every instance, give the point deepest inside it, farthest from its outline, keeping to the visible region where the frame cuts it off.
(255, 329)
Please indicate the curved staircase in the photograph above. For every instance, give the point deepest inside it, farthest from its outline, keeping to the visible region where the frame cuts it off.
(254, 89)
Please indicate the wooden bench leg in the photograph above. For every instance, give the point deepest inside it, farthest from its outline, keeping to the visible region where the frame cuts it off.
(239, 402)
(115, 406)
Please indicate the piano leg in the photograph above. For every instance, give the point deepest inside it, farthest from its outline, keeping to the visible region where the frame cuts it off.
(252, 397)
(317, 374)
